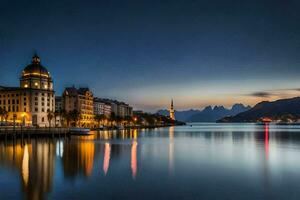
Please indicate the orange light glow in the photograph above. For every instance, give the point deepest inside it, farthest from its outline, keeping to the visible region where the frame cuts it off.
(134, 159)
(106, 158)
(267, 140)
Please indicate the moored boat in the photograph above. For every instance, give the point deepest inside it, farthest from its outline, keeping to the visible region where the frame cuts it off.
(79, 131)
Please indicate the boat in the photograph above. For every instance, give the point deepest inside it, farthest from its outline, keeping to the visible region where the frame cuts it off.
(79, 131)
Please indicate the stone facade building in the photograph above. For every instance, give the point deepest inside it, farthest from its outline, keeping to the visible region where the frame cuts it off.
(29, 103)
(81, 100)
(102, 107)
(108, 106)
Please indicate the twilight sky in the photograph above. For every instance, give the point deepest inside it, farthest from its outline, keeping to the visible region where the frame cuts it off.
(146, 52)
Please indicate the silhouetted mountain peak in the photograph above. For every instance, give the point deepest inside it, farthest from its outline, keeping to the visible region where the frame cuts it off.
(219, 108)
(208, 114)
(207, 109)
(276, 110)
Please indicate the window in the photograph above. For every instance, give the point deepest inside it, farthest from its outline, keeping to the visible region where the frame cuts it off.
(17, 101)
(43, 119)
(13, 101)
(8, 101)
(36, 103)
(24, 109)
(43, 110)
(36, 109)
(36, 98)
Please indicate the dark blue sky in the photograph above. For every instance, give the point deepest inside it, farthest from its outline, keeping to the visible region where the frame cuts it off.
(146, 52)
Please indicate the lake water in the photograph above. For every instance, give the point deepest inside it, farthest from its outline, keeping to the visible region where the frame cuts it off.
(202, 161)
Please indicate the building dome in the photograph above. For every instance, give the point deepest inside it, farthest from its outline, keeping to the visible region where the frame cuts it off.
(35, 69)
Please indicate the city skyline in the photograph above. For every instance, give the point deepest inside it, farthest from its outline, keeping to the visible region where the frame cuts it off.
(199, 53)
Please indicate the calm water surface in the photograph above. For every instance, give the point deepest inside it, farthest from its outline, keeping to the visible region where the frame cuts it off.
(203, 161)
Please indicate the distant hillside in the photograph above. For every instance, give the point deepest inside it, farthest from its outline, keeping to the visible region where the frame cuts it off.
(282, 110)
(208, 114)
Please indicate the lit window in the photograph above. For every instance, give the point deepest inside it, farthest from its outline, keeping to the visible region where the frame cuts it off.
(36, 84)
(26, 86)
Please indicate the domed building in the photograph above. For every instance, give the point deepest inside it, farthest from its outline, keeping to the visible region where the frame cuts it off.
(36, 76)
(29, 103)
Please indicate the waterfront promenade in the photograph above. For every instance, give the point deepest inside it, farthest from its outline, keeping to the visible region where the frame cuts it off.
(19, 131)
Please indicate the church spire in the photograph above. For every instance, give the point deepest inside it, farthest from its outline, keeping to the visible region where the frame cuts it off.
(172, 111)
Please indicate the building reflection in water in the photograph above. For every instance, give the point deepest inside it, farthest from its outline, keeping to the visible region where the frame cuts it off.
(134, 155)
(78, 156)
(25, 165)
(171, 149)
(59, 148)
(35, 163)
(106, 158)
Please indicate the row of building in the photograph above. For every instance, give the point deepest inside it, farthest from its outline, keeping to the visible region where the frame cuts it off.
(29, 104)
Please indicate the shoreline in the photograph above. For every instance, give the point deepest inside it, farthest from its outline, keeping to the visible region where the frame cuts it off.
(52, 132)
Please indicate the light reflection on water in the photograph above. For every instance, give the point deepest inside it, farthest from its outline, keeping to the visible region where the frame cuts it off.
(208, 161)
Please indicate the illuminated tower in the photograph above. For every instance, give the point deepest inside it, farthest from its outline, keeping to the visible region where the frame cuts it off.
(172, 112)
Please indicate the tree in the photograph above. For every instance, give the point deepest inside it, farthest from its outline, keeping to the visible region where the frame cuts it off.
(1, 114)
(50, 116)
(74, 116)
(64, 117)
(112, 118)
(56, 114)
(128, 119)
(118, 119)
(5, 115)
(99, 118)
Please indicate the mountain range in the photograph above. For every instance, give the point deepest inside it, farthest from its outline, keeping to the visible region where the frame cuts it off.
(208, 114)
(283, 110)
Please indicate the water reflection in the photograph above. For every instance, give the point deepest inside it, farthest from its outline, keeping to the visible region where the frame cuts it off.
(78, 157)
(134, 158)
(171, 150)
(267, 140)
(204, 155)
(35, 164)
(106, 157)
(266, 167)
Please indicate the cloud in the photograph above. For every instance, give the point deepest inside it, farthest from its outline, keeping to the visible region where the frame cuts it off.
(281, 93)
(261, 94)
(294, 89)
